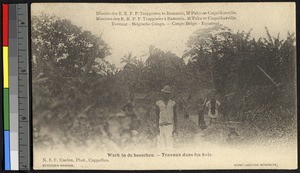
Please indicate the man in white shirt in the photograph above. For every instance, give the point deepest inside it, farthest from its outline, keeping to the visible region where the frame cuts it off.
(213, 106)
(166, 119)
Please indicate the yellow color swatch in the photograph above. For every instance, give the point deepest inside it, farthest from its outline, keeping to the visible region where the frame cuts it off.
(5, 67)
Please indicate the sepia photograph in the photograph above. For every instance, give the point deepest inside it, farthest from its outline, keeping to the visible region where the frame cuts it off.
(162, 86)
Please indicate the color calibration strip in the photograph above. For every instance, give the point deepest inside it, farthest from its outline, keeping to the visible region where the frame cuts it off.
(16, 87)
(5, 30)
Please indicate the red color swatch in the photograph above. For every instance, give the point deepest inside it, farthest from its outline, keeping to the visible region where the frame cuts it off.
(5, 24)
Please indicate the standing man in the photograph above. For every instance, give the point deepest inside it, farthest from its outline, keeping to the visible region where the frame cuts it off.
(128, 108)
(213, 105)
(201, 109)
(166, 119)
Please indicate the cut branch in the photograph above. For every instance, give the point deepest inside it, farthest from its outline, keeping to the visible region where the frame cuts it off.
(268, 76)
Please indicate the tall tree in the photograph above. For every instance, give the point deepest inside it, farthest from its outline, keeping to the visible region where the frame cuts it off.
(163, 68)
(62, 50)
(68, 64)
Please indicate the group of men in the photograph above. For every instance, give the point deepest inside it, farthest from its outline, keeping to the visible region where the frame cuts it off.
(167, 118)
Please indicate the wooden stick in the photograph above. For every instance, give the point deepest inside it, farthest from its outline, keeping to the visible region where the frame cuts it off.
(267, 75)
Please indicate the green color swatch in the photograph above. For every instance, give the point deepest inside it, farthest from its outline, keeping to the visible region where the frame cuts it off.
(6, 108)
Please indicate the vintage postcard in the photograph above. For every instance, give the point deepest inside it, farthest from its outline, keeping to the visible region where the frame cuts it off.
(129, 86)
